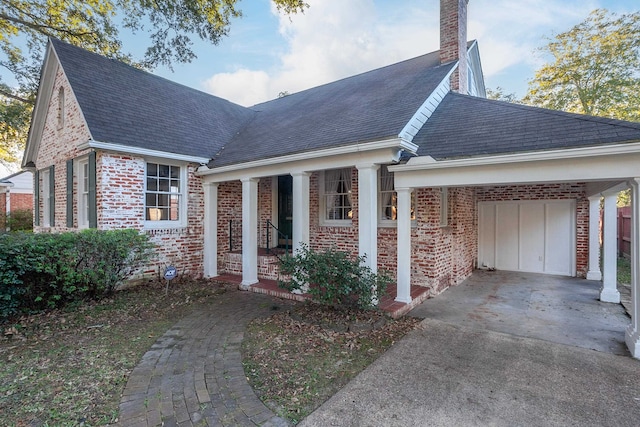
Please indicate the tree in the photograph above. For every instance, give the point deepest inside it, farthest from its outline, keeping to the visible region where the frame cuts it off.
(499, 95)
(595, 68)
(25, 26)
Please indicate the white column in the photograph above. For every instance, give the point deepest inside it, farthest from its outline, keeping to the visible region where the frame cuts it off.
(609, 291)
(368, 214)
(404, 245)
(594, 272)
(210, 249)
(632, 334)
(249, 232)
(300, 210)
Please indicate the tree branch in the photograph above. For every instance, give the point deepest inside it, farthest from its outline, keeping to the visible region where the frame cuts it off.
(16, 97)
(42, 28)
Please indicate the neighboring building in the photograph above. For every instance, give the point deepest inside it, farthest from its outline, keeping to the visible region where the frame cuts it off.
(16, 195)
(408, 164)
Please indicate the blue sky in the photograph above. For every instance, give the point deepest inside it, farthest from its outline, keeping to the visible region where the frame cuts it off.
(266, 53)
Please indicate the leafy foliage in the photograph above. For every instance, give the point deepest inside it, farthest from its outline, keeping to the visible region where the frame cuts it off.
(94, 25)
(333, 278)
(499, 95)
(594, 68)
(40, 271)
(20, 220)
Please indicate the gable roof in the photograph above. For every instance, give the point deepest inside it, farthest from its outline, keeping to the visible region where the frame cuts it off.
(128, 106)
(371, 106)
(466, 126)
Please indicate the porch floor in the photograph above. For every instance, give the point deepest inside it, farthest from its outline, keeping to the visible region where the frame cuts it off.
(393, 308)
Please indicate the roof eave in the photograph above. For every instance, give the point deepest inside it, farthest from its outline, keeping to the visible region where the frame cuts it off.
(145, 152)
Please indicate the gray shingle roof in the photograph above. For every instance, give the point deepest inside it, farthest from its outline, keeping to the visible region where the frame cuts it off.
(466, 126)
(124, 105)
(366, 107)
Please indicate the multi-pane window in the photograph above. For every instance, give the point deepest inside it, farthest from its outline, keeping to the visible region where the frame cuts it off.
(47, 198)
(162, 197)
(337, 195)
(83, 194)
(388, 198)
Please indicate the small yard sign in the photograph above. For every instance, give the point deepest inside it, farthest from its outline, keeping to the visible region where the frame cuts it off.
(170, 273)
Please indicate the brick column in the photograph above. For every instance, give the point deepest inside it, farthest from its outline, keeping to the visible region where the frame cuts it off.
(609, 291)
(249, 232)
(594, 272)
(632, 334)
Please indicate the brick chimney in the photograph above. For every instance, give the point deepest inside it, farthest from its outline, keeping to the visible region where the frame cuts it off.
(453, 40)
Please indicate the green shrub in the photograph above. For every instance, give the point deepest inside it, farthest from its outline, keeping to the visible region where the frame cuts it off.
(333, 278)
(40, 271)
(20, 220)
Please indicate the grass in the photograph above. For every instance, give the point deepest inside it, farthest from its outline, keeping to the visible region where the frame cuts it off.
(69, 367)
(624, 271)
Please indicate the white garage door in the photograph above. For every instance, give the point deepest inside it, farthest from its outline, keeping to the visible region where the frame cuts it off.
(536, 236)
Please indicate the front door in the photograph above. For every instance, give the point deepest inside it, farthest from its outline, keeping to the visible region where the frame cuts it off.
(285, 209)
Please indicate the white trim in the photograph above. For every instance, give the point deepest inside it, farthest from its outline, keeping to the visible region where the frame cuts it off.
(82, 219)
(398, 144)
(322, 214)
(182, 205)
(428, 162)
(120, 148)
(427, 108)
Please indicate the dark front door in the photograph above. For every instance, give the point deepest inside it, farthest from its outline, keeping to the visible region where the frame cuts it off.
(285, 209)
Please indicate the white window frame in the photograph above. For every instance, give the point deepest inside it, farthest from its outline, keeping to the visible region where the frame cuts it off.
(82, 189)
(46, 197)
(324, 221)
(386, 222)
(182, 196)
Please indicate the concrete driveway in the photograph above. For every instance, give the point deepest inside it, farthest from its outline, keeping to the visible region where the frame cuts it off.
(502, 349)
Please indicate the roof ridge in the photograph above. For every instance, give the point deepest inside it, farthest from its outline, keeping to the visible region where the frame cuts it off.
(579, 116)
(358, 75)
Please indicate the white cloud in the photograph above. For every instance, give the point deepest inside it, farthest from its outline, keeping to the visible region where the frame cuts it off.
(336, 38)
(244, 87)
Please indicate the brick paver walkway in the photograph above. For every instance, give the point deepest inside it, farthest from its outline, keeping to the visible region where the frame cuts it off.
(193, 375)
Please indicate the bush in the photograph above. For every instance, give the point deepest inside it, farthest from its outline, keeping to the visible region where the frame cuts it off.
(40, 271)
(20, 220)
(333, 278)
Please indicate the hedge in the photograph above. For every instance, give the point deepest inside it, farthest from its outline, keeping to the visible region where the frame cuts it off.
(42, 271)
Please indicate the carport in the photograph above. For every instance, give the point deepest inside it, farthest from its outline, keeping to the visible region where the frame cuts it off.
(603, 170)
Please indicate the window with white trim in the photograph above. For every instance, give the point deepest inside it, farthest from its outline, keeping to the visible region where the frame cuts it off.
(335, 197)
(164, 193)
(47, 197)
(83, 193)
(388, 198)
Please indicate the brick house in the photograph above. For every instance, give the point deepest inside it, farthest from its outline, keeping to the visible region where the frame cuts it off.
(16, 194)
(408, 164)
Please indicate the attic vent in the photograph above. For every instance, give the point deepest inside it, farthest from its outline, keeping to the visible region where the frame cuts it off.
(61, 107)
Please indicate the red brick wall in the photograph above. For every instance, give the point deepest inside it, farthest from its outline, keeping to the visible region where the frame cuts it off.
(561, 191)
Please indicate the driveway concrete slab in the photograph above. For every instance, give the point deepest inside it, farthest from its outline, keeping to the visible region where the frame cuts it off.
(452, 375)
(501, 349)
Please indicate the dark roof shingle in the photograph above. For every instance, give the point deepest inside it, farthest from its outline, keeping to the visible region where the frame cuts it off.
(124, 105)
(362, 108)
(466, 126)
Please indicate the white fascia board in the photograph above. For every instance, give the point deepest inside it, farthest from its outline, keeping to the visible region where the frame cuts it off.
(145, 152)
(427, 108)
(39, 114)
(608, 163)
(385, 151)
